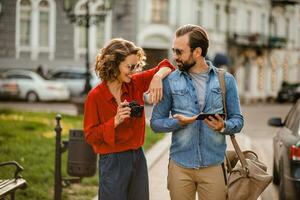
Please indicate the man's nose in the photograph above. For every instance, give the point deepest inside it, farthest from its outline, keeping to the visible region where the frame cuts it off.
(175, 56)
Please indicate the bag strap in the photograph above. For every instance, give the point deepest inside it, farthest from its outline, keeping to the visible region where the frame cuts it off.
(221, 76)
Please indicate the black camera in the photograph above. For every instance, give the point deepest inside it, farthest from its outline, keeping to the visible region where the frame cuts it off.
(136, 109)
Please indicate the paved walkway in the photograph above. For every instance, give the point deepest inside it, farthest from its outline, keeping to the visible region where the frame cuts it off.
(158, 170)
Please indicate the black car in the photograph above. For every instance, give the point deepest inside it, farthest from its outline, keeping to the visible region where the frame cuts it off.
(289, 92)
(286, 159)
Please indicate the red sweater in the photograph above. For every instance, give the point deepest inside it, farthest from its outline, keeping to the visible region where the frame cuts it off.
(101, 108)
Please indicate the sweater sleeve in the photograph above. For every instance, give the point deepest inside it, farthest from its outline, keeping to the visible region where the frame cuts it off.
(97, 132)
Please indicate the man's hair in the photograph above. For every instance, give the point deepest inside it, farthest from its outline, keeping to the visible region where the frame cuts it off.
(110, 57)
(197, 37)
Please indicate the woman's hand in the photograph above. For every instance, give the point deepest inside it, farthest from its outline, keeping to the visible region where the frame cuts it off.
(123, 112)
(155, 89)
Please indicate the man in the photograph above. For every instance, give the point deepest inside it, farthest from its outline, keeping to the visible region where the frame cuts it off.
(198, 147)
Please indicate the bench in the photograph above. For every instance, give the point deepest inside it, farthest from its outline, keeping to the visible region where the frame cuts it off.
(9, 186)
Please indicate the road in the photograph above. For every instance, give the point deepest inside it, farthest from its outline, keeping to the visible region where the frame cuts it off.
(256, 128)
(260, 134)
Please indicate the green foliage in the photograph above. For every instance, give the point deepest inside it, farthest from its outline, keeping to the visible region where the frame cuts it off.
(29, 139)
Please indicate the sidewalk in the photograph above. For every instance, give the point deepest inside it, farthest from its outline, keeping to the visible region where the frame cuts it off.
(158, 166)
(157, 161)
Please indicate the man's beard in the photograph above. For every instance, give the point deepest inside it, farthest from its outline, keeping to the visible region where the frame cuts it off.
(185, 66)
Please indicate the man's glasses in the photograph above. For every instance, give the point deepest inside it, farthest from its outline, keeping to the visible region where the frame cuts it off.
(133, 67)
(178, 52)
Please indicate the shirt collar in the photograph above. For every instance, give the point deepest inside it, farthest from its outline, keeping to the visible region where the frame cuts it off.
(108, 95)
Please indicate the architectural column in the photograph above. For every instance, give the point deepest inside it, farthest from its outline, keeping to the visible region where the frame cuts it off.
(35, 32)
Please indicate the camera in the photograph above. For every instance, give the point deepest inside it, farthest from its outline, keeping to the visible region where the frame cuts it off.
(136, 109)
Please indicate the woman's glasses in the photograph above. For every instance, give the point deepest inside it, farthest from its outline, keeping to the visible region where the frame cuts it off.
(133, 67)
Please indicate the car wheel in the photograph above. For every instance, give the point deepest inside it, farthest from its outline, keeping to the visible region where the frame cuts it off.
(276, 179)
(32, 97)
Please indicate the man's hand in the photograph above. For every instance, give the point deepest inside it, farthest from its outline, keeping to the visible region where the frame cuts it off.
(183, 120)
(155, 89)
(216, 123)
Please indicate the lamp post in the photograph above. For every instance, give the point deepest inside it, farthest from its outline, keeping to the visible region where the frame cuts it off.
(85, 20)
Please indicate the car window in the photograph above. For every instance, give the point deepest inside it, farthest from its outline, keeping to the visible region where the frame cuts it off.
(60, 75)
(293, 120)
(69, 75)
(18, 76)
(75, 75)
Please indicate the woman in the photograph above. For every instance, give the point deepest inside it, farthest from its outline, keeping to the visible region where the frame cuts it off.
(112, 127)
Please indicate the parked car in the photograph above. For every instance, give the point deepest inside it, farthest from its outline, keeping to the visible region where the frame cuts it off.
(33, 87)
(286, 159)
(74, 78)
(8, 88)
(288, 92)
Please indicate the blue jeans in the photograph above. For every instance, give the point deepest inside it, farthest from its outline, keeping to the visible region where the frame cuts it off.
(123, 176)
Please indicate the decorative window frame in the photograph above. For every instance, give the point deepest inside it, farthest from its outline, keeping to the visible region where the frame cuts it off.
(34, 48)
(93, 49)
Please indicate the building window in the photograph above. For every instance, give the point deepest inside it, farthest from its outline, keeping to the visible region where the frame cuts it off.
(233, 19)
(274, 27)
(25, 22)
(263, 23)
(299, 36)
(100, 33)
(217, 17)
(249, 21)
(35, 27)
(82, 28)
(160, 11)
(99, 29)
(287, 28)
(82, 37)
(199, 12)
(44, 24)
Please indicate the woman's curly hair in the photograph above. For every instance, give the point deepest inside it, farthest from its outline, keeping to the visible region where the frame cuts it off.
(110, 57)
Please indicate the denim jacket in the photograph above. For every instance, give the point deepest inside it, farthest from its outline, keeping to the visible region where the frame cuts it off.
(196, 145)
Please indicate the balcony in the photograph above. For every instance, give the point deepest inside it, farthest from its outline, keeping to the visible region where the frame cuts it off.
(284, 2)
(257, 41)
(254, 40)
(277, 42)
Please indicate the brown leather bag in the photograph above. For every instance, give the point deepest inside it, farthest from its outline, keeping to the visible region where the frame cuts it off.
(246, 176)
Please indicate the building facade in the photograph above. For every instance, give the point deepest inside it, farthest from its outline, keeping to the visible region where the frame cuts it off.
(39, 32)
(261, 38)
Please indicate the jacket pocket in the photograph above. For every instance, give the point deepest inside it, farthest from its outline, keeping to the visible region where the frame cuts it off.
(216, 100)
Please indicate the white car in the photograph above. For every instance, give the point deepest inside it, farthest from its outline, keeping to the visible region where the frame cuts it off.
(33, 87)
(74, 78)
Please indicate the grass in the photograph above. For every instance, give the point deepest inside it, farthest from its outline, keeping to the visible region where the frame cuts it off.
(29, 139)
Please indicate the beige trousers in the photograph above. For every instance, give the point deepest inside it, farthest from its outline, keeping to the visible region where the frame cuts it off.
(183, 183)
